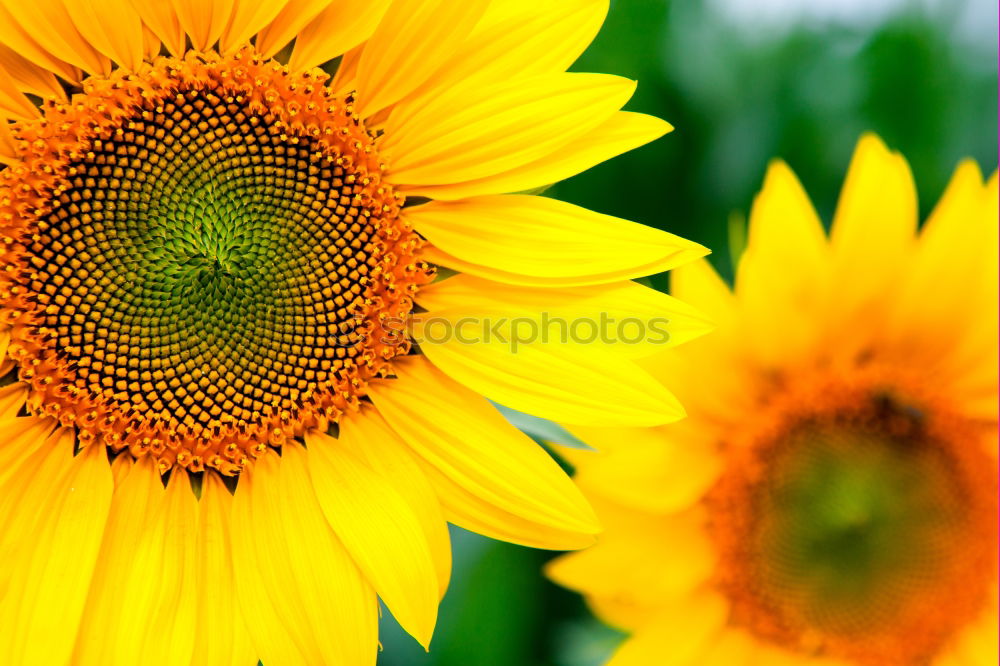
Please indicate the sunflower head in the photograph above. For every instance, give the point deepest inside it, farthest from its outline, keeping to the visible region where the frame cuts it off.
(204, 258)
(221, 438)
(832, 496)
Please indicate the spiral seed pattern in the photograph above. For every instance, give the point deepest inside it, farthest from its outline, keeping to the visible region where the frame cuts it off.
(211, 271)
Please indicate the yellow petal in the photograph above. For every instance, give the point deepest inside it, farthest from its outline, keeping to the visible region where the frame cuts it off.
(141, 606)
(786, 238)
(413, 40)
(874, 227)
(203, 20)
(221, 638)
(303, 598)
(476, 514)
(248, 18)
(162, 19)
(112, 27)
(643, 559)
(622, 132)
(646, 469)
(368, 435)
(978, 645)
(697, 283)
(335, 31)
(951, 287)
(12, 398)
(8, 156)
(61, 512)
(623, 317)
(22, 438)
(681, 633)
(344, 80)
(290, 23)
(465, 438)
(533, 38)
(475, 131)
(13, 103)
(545, 238)
(733, 648)
(23, 444)
(151, 44)
(574, 384)
(15, 37)
(48, 22)
(380, 531)
(29, 77)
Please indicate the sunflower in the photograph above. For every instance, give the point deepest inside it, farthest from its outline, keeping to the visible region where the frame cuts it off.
(832, 496)
(222, 436)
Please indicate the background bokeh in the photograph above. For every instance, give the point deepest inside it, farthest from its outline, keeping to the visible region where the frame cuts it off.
(743, 81)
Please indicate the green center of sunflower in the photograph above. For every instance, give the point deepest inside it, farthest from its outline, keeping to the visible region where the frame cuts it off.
(211, 266)
(854, 523)
(216, 276)
(862, 529)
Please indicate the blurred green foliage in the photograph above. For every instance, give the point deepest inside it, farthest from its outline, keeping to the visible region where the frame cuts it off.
(739, 94)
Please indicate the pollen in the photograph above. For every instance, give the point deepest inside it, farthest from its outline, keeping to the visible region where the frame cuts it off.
(202, 259)
(859, 524)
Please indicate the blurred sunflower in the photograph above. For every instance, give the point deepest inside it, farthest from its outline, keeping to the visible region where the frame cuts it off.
(831, 498)
(217, 442)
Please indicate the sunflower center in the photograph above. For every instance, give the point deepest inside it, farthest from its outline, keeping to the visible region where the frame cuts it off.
(861, 533)
(211, 262)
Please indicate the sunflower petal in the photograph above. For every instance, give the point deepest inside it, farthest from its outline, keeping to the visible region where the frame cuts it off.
(634, 320)
(733, 648)
(294, 579)
(203, 21)
(379, 530)
(642, 559)
(15, 37)
(466, 439)
(413, 40)
(12, 101)
(370, 437)
(948, 305)
(335, 31)
(22, 439)
(545, 238)
(646, 468)
(786, 237)
(141, 607)
(248, 18)
(697, 283)
(8, 146)
(30, 78)
(622, 132)
(221, 638)
(111, 26)
(573, 384)
(875, 224)
(50, 26)
(289, 23)
(475, 131)
(162, 19)
(64, 519)
(12, 398)
(533, 38)
(676, 635)
(473, 513)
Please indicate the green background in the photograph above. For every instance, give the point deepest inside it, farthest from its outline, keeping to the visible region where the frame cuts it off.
(741, 87)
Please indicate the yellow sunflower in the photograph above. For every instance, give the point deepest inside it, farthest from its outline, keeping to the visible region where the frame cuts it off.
(831, 497)
(218, 441)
